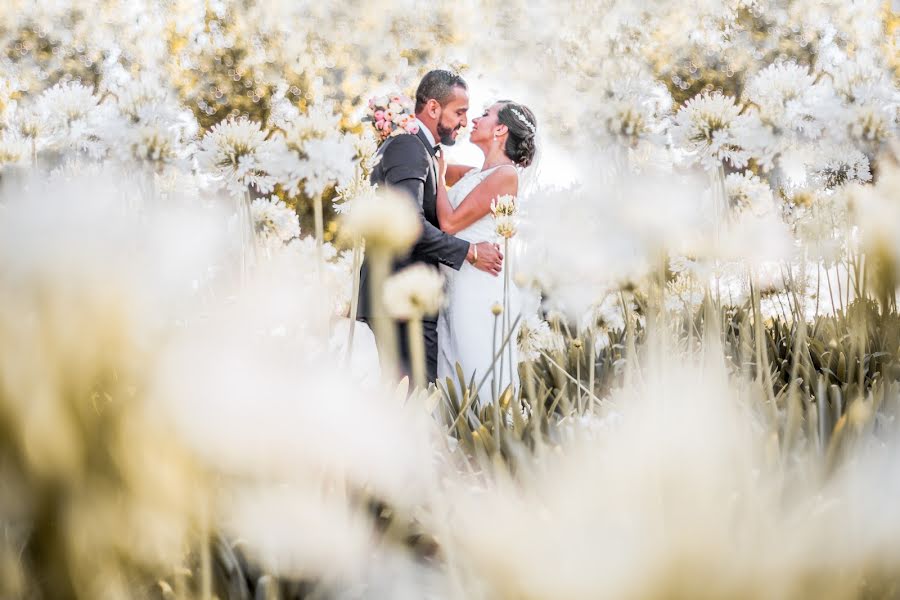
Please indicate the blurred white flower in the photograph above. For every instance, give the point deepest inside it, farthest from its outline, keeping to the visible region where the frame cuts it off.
(274, 221)
(331, 161)
(789, 98)
(14, 150)
(876, 210)
(834, 166)
(385, 219)
(748, 192)
(535, 336)
(314, 154)
(873, 124)
(69, 116)
(605, 315)
(414, 292)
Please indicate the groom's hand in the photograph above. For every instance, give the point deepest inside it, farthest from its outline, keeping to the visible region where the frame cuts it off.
(489, 258)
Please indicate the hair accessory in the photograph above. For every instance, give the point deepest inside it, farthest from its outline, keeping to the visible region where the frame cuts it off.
(524, 121)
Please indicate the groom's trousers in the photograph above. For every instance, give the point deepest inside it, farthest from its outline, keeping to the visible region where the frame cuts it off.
(429, 330)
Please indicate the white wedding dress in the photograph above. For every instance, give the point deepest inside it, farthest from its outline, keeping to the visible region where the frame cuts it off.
(466, 324)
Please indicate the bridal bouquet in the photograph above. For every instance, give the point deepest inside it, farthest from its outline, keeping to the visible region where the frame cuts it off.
(392, 115)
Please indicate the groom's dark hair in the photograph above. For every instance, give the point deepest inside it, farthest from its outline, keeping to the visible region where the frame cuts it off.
(437, 84)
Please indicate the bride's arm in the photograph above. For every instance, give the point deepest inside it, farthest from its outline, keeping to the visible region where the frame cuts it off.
(456, 172)
(477, 204)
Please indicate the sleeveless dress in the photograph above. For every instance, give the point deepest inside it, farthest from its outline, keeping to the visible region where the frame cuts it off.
(466, 324)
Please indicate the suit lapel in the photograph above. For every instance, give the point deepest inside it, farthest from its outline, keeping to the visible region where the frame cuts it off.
(431, 180)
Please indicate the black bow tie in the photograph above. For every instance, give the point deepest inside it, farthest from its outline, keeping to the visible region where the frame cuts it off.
(436, 149)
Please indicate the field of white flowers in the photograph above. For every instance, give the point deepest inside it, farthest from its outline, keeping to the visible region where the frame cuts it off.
(710, 350)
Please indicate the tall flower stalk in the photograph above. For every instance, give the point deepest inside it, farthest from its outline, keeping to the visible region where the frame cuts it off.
(504, 210)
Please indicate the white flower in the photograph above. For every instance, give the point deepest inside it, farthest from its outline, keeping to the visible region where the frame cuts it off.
(834, 166)
(605, 315)
(70, 116)
(712, 127)
(315, 163)
(872, 124)
(534, 336)
(789, 98)
(504, 205)
(237, 152)
(151, 126)
(274, 220)
(684, 293)
(15, 150)
(385, 219)
(314, 154)
(414, 292)
(331, 161)
(748, 192)
(504, 208)
(358, 186)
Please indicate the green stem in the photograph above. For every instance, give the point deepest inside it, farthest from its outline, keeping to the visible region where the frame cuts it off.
(320, 232)
(494, 380)
(383, 327)
(506, 310)
(417, 351)
(354, 297)
(572, 379)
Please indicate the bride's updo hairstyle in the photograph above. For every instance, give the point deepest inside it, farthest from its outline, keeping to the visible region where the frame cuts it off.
(520, 145)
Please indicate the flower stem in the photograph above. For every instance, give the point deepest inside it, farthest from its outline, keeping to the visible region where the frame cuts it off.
(354, 297)
(320, 233)
(417, 351)
(506, 310)
(385, 333)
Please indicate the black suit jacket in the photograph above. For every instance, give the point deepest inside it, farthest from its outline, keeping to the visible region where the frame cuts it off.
(407, 164)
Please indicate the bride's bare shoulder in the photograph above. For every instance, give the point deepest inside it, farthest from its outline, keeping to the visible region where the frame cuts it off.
(502, 179)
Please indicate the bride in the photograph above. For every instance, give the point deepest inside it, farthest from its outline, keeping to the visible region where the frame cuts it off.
(505, 133)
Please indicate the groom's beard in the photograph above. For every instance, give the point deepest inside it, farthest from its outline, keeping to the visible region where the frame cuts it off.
(446, 134)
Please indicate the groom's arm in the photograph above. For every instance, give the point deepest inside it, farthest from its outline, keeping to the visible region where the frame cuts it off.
(405, 166)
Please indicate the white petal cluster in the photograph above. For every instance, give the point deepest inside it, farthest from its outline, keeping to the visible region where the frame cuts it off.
(505, 210)
(236, 151)
(385, 220)
(834, 166)
(313, 153)
(69, 116)
(789, 98)
(414, 292)
(15, 150)
(747, 192)
(713, 128)
(275, 222)
(534, 336)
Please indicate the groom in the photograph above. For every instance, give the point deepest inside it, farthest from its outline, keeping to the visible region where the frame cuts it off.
(408, 164)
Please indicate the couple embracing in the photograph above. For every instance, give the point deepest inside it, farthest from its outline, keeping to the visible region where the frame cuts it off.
(457, 235)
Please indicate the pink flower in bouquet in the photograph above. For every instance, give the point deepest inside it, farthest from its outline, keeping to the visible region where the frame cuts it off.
(412, 127)
(379, 115)
(396, 98)
(388, 115)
